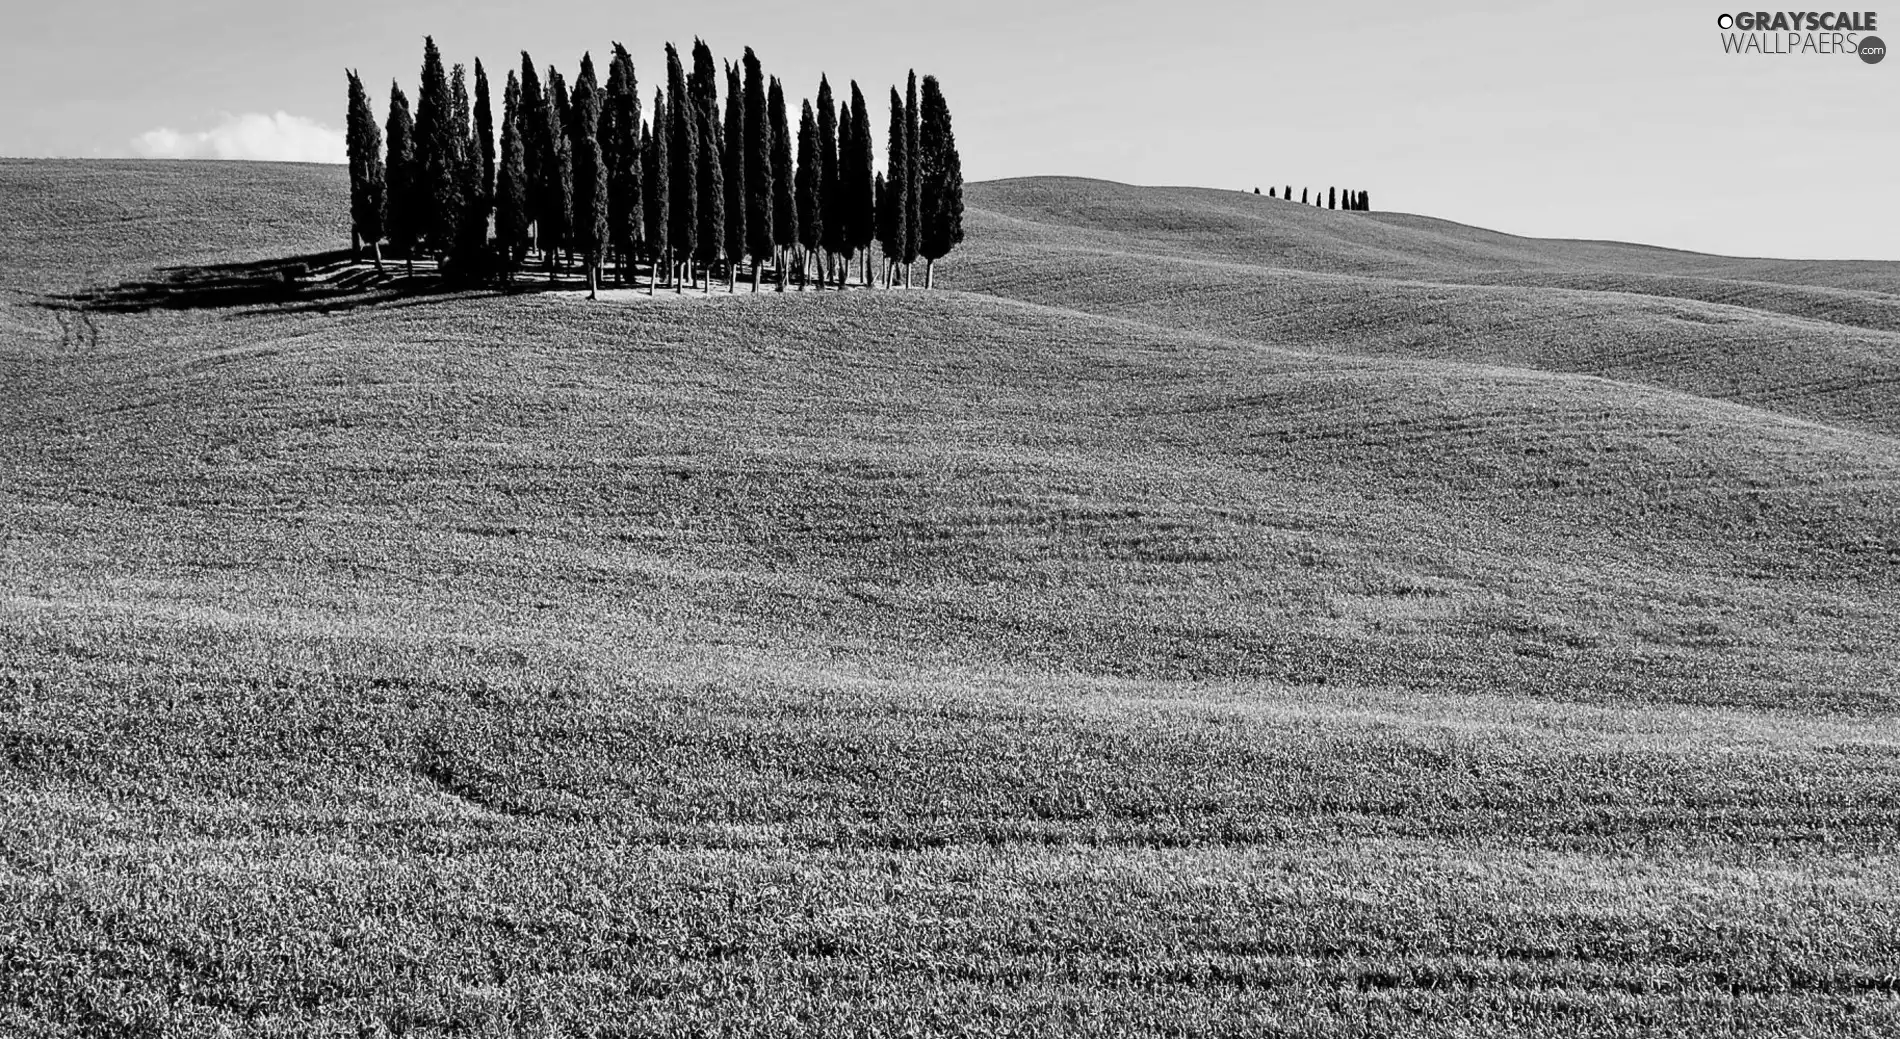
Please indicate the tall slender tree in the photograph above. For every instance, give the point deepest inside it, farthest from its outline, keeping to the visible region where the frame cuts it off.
(887, 234)
(1302, 196)
(896, 176)
(811, 213)
(703, 85)
(857, 172)
(368, 187)
(913, 179)
(733, 168)
(590, 179)
(511, 184)
(758, 167)
(658, 196)
(402, 209)
(485, 134)
(438, 151)
(941, 212)
(683, 153)
(784, 206)
(832, 221)
(1332, 198)
(620, 138)
(536, 151)
(556, 218)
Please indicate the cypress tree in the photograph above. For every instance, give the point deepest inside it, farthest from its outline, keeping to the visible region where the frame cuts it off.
(683, 152)
(886, 232)
(913, 179)
(896, 173)
(367, 180)
(733, 168)
(1302, 196)
(620, 138)
(811, 214)
(703, 86)
(831, 220)
(1273, 192)
(511, 183)
(784, 205)
(659, 196)
(535, 153)
(437, 151)
(1332, 198)
(485, 134)
(590, 179)
(400, 208)
(1289, 193)
(847, 194)
(860, 191)
(941, 208)
(758, 167)
(557, 213)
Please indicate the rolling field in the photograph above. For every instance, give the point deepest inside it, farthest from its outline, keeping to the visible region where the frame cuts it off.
(1206, 616)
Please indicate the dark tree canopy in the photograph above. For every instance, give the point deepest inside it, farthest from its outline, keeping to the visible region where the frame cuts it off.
(784, 206)
(511, 181)
(1332, 198)
(733, 166)
(658, 196)
(367, 178)
(758, 163)
(620, 140)
(400, 174)
(437, 152)
(485, 134)
(833, 224)
(590, 171)
(913, 176)
(857, 173)
(683, 154)
(710, 236)
(809, 181)
(941, 212)
(895, 233)
(557, 218)
(536, 154)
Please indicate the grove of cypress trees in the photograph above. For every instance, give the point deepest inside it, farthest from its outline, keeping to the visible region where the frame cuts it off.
(620, 138)
(683, 153)
(437, 151)
(658, 196)
(860, 191)
(941, 209)
(590, 179)
(511, 183)
(758, 167)
(811, 214)
(896, 171)
(733, 169)
(535, 152)
(485, 134)
(784, 206)
(400, 175)
(368, 186)
(832, 221)
(913, 179)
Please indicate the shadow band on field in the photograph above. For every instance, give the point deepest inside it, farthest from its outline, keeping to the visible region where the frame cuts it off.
(321, 282)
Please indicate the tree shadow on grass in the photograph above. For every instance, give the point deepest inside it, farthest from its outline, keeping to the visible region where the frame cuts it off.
(315, 282)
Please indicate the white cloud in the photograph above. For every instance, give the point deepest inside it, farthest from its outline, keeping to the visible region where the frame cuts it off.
(253, 135)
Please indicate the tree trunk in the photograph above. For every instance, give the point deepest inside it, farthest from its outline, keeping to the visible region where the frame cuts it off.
(376, 248)
(757, 266)
(593, 290)
(930, 268)
(356, 245)
(907, 275)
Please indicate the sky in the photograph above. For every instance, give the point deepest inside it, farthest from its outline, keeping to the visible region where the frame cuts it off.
(1609, 120)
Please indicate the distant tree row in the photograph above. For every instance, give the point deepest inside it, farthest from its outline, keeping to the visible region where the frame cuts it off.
(581, 176)
(1336, 198)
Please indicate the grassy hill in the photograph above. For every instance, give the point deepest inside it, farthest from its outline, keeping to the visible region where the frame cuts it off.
(1206, 616)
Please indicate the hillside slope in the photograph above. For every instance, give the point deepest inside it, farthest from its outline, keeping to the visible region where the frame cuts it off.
(1105, 644)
